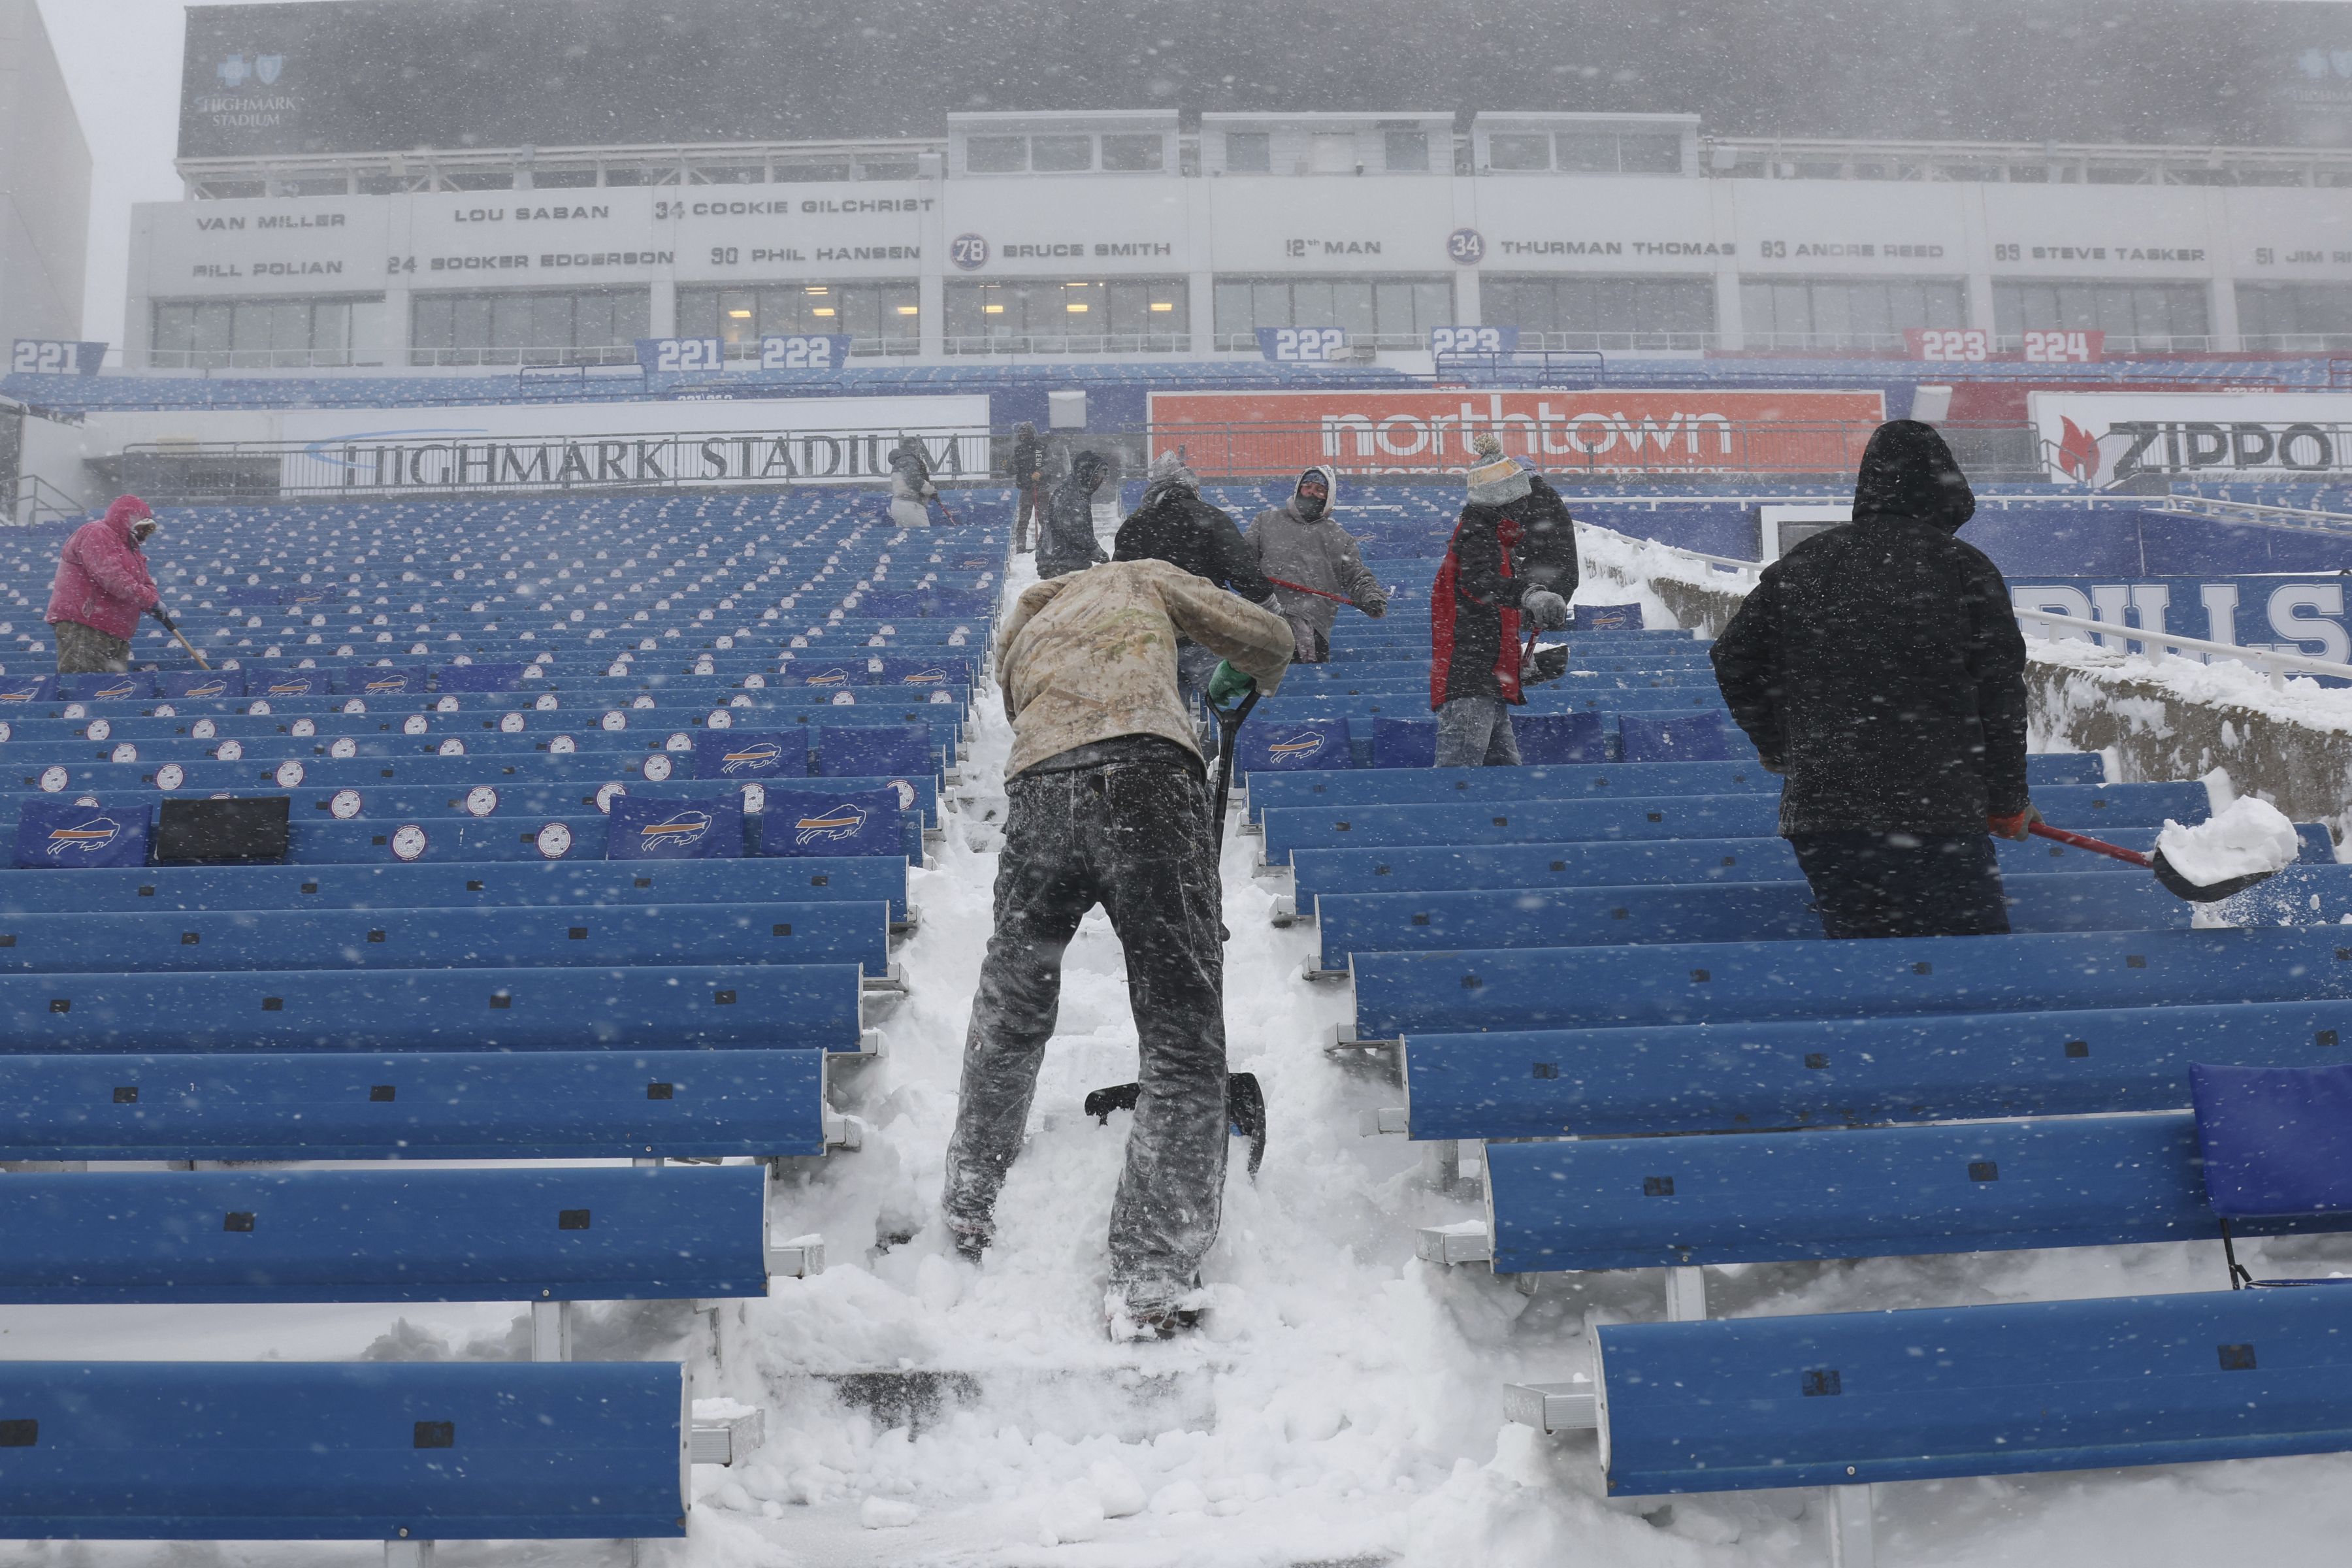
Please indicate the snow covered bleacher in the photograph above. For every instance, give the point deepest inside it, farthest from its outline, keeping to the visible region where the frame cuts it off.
(1559, 957)
(587, 866)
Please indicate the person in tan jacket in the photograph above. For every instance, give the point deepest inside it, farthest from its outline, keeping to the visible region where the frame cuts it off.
(1108, 805)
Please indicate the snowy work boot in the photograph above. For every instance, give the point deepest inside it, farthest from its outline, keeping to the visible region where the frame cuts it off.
(1154, 1320)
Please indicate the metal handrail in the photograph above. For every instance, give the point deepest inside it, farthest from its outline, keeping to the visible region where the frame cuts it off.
(2248, 512)
(2268, 661)
(30, 503)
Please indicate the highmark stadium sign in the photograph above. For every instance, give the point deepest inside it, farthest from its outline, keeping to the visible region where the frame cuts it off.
(619, 446)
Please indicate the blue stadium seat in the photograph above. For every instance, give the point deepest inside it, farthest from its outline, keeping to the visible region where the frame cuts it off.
(1554, 988)
(1847, 1399)
(444, 1105)
(1740, 1074)
(343, 1451)
(587, 1233)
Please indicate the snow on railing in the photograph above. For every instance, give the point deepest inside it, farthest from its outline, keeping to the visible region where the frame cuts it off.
(2270, 662)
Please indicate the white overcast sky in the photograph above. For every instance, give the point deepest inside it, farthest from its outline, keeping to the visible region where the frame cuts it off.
(121, 59)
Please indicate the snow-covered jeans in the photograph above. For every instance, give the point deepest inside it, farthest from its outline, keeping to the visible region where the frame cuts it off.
(1475, 732)
(909, 513)
(86, 651)
(1133, 836)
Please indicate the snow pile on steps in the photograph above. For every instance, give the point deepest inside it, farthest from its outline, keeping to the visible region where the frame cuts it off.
(2154, 719)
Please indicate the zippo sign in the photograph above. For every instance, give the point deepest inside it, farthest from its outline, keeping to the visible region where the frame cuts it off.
(1416, 430)
(2102, 438)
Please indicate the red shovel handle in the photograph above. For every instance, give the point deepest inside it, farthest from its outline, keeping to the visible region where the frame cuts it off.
(2096, 846)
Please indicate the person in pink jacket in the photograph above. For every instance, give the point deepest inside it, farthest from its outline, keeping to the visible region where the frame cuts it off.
(103, 588)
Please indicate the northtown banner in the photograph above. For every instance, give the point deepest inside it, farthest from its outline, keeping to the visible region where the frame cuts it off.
(1418, 431)
(608, 446)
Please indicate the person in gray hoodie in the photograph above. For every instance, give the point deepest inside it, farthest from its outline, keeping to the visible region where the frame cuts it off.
(1065, 532)
(1313, 565)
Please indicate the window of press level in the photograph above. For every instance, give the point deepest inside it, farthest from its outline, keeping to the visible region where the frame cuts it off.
(568, 326)
(1587, 152)
(1249, 153)
(2294, 315)
(266, 334)
(1140, 315)
(880, 318)
(1408, 152)
(996, 154)
(1826, 313)
(2133, 315)
(1376, 312)
(1135, 153)
(1603, 312)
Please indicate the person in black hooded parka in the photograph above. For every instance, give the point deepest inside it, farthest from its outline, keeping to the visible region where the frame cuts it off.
(1879, 668)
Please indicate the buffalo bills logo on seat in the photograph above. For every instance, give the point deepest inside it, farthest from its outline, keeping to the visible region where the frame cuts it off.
(208, 688)
(685, 830)
(87, 837)
(119, 690)
(290, 689)
(832, 826)
(387, 683)
(933, 677)
(25, 693)
(829, 678)
(1301, 745)
(757, 757)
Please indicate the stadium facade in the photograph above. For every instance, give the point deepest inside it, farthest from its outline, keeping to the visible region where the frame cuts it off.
(1023, 189)
(44, 185)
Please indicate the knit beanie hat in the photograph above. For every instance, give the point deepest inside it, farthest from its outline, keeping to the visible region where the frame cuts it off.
(1496, 478)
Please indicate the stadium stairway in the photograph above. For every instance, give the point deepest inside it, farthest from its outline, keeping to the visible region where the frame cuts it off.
(551, 903)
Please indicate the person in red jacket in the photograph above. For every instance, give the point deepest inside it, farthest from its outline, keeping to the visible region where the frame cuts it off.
(102, 590)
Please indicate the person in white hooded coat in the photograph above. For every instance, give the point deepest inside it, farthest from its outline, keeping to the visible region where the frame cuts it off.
(1313, 565)
(910, 484)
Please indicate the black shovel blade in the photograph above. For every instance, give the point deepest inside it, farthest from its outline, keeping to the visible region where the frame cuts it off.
(2169, 877)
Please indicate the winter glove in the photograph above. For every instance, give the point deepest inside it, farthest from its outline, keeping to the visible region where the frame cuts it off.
(1229, 686)
(1549, 610)
(1378, 609)
(1778, 770)
(2018, 826)
(157, 611)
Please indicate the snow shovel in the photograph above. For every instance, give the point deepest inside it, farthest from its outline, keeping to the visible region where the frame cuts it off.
(172, 626)
(1245, 1109)
(1228, 726)
(2167, 875)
